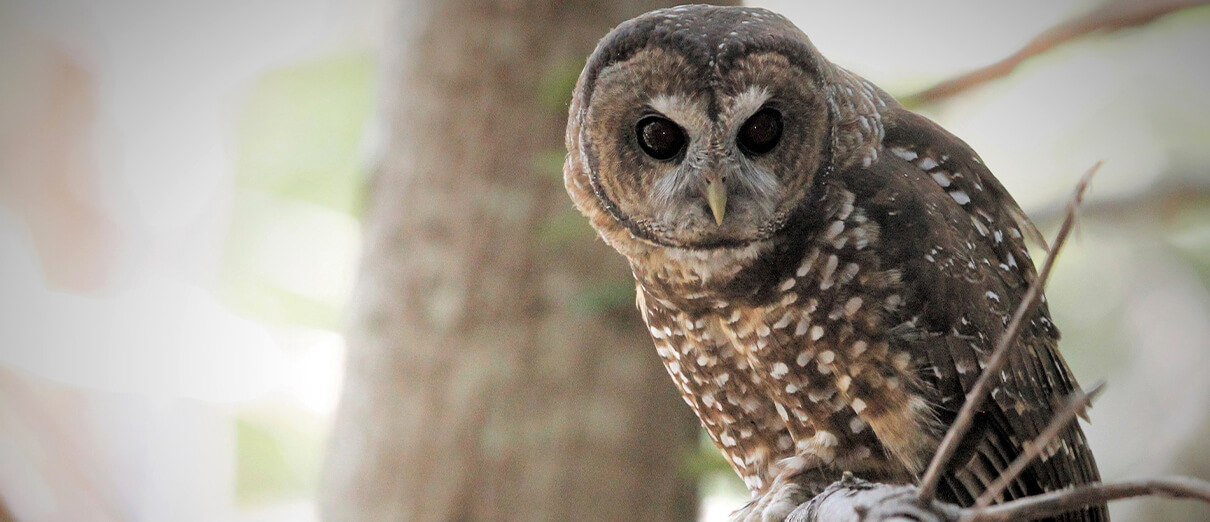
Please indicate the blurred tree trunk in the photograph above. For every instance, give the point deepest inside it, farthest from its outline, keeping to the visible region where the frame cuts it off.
(485, 381)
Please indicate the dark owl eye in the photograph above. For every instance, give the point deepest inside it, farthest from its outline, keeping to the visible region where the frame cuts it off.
(760, 133)
(659, 137)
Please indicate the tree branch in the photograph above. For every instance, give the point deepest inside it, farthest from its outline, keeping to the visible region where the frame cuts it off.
(855, 500)
(1057, 502)
(1111, 17)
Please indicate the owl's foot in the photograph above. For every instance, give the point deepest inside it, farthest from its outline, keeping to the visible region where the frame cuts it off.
(774, 506)
(780, 498)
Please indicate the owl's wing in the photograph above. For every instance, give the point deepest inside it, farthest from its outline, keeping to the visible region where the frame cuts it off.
(959, 238)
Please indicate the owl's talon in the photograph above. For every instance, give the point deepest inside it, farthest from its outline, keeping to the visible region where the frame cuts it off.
(774, 506)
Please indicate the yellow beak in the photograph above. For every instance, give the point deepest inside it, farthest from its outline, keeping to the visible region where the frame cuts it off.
(716, 196)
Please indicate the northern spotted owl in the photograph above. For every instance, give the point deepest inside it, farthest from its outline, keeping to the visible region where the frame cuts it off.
(823, 272)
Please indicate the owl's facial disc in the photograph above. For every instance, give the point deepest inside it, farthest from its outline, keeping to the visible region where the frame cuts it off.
(701, 157)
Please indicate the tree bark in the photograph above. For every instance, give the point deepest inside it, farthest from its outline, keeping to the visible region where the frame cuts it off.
(481, 383)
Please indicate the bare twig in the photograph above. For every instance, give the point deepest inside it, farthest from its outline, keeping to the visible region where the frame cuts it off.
(1063, 501)
(1163, 201)
(1114, 16)
(979, 392)
(1076, 404)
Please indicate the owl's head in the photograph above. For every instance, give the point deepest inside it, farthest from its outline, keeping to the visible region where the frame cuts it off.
(698, 127)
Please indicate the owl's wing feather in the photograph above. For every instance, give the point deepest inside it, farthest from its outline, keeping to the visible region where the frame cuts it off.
(969, 269)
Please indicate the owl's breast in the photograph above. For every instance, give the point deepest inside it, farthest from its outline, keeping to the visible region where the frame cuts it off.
(808, 354)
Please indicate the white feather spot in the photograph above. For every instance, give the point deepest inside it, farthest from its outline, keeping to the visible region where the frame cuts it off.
(852, 306)
(960, 197)
(856, 425)
(801, 327)
(857, 348)
(850, 271)
(727, 439)
(803, 358)
(834, 230)
(779, 370)
(858, 405)
(807, 263)
(783, 322)
(826, 438)
(901, 360)
(904, 154)
(829, 269)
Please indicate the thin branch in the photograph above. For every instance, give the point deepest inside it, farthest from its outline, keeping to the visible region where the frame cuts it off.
(1114, 16)
(979, 392)
(855, 500)
(1063, 501)
(1162, 201)
(1076, 404)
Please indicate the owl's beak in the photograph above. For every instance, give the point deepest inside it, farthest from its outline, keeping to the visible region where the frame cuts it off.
(716, 197)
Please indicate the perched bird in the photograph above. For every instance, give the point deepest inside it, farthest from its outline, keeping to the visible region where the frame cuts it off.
(823, 272)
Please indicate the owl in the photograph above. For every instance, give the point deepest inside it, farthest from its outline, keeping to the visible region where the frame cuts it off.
(823, 272)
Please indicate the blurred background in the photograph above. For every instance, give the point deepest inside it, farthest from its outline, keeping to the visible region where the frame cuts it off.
(213, 215)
